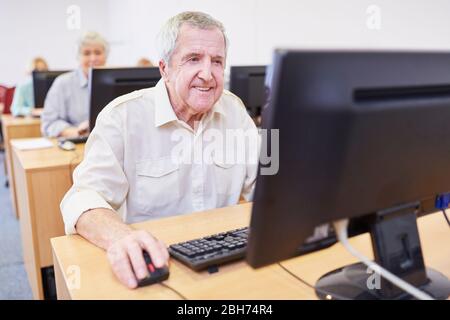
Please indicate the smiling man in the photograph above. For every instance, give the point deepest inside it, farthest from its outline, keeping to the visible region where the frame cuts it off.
(129, 172)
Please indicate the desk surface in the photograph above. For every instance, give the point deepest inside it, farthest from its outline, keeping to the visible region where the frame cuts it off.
(10, 120)
(233, 281)
(55, 157)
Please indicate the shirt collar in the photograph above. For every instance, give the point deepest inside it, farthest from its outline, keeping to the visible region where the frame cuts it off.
(81, 78)
(163, 108)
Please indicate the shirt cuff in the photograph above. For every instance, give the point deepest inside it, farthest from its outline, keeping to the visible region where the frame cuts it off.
(77, 203)
(55, 129)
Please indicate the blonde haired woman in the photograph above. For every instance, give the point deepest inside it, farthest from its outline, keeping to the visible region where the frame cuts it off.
(23, 101)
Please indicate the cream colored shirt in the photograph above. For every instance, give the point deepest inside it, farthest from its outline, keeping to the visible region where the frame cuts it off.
(133, 163)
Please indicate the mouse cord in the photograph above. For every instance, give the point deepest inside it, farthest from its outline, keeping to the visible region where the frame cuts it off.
(175, 291)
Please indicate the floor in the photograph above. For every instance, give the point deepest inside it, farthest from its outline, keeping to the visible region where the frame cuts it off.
(13, 278)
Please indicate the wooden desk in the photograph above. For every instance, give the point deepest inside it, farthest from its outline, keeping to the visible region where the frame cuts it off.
(234, 281)
(43, 176)
(14, 128)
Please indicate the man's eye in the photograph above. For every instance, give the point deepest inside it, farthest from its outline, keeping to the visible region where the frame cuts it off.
(194, 59)
(218, 62)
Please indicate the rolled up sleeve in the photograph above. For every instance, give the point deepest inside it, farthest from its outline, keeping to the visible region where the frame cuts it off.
(99, 180)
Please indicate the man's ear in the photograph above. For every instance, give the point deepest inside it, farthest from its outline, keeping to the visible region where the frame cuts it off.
(163, 70)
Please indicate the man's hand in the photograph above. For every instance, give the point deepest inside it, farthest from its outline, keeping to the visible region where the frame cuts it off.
(70, 132)
(36, 112)
(127, 261)
(83, 127)
(123, 244)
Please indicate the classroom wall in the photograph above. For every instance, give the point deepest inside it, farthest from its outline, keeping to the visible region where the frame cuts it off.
(255, 27)
(29, 28)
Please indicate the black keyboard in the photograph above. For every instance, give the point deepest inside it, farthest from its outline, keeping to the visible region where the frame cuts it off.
(75, 140)
(217, 249)
(212, 250)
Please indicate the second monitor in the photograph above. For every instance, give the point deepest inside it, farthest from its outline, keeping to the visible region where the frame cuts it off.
(42, 81)
(106, 84)
(247, 82)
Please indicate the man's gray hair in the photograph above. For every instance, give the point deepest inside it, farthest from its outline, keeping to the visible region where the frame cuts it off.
(92, 37)
(167, 37)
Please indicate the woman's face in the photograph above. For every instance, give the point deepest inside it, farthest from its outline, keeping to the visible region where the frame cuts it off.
(92, 55)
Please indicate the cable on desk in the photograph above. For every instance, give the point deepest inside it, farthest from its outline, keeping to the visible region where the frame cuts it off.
(173, 290)
(325, 293)
(340, 227)
(445, 215)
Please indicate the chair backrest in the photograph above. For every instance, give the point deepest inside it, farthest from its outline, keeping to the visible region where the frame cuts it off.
(8, 96)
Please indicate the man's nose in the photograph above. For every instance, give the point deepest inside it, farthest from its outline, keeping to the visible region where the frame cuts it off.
(205, 72)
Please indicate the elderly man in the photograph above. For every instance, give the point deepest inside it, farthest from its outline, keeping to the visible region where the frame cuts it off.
(129, 173)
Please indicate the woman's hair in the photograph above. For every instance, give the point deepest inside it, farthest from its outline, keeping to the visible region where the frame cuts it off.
(92, 37)
(34, 65)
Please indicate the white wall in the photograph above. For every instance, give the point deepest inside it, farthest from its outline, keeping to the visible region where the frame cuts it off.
(255, 27)
(29, 28)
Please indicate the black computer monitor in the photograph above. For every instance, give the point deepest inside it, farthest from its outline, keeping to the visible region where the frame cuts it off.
(106, 84)
(247, 82)
(364, 136)
(42, 81)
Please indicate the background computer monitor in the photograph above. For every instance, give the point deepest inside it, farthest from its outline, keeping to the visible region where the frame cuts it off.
(362, 135)
(42, 81)
(106, 84)
(247, 82)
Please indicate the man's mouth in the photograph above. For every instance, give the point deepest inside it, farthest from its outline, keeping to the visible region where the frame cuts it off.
(203, 89)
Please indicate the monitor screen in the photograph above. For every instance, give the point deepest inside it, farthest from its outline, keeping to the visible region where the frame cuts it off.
(106, 84)
(247, 82)
(363, 136)
(42, 81)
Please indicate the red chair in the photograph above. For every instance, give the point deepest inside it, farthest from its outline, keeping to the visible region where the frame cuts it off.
(6, 98)
(9, 95)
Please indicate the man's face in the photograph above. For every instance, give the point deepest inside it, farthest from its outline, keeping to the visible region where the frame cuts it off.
(91, 56)
(194, 75)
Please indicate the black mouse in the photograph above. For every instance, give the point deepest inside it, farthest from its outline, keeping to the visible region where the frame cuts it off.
(154, 274)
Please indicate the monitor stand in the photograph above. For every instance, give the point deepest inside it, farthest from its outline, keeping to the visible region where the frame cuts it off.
(396, 247)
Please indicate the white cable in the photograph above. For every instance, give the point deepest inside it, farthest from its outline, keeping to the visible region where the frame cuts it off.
(340, 228)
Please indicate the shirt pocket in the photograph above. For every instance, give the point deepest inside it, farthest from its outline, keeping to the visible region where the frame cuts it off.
(157, 183)
(227, 177)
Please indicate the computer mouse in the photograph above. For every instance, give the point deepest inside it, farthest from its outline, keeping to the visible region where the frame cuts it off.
(66, 145)
(154, 274)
